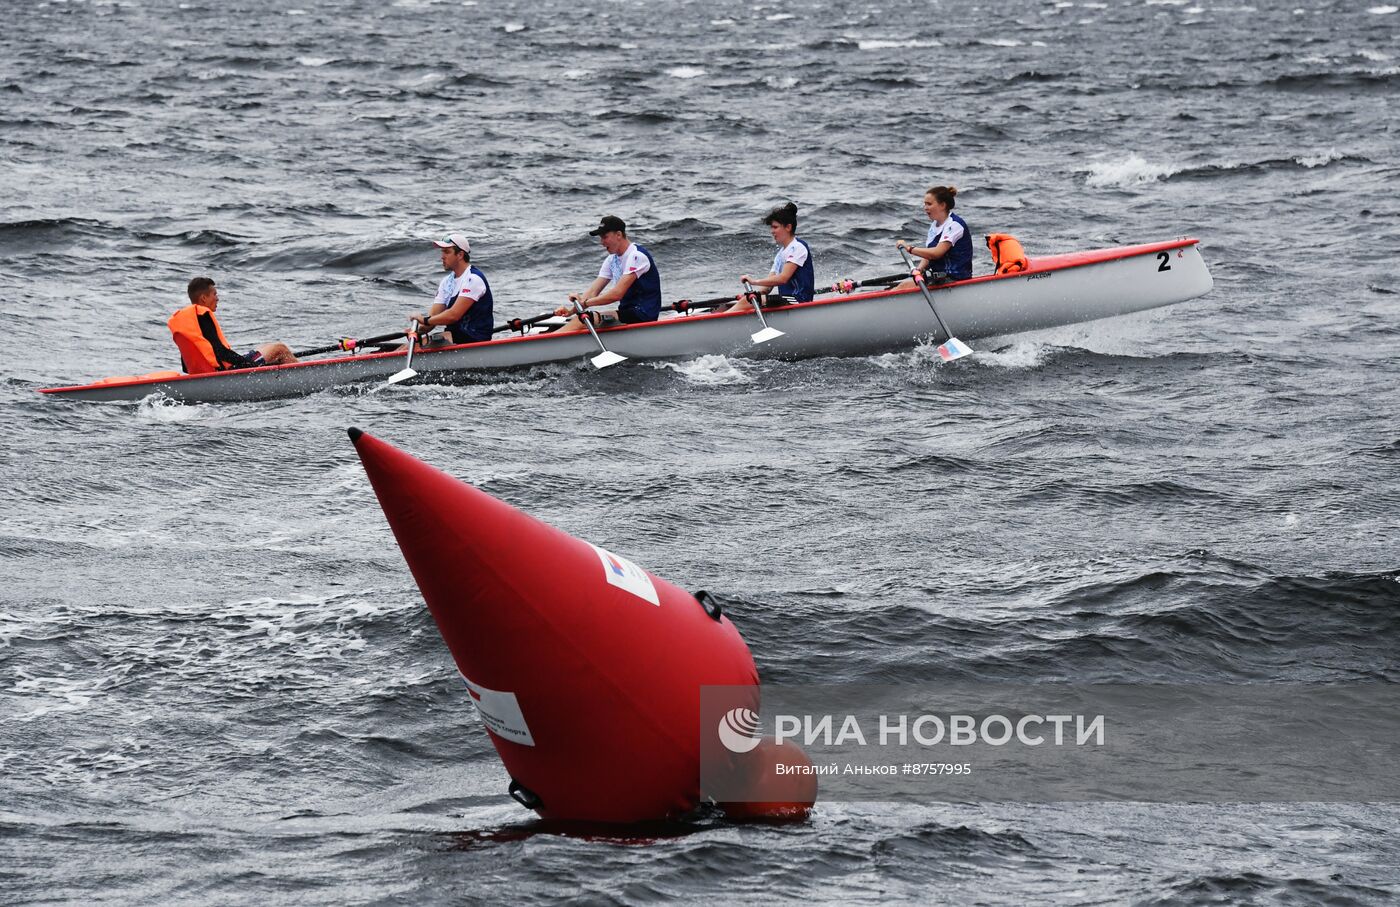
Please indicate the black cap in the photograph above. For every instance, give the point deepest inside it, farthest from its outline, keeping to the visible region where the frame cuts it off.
(609, 224)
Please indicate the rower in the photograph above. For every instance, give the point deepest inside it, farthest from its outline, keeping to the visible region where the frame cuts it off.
(203, 347)
(629, 275)
(463, 300)
(947, 252)
(792, 273)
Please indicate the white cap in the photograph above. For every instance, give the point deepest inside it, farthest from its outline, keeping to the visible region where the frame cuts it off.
(454, 239)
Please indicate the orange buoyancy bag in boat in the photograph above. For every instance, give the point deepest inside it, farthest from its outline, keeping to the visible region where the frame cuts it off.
(1007, 254)
(196, 352)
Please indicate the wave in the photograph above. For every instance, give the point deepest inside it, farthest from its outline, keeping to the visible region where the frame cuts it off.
(387, 257)
(1336, 82)
(46, 230)
(1134, 170)
(1234, 620)
(1127, 173)
(1255, 887)
(932, 841)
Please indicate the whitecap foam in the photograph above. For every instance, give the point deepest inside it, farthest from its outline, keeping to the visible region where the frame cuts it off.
(713, 370)
(685, 72)
(1320, 159)
(51, 695)
(780, 17)
(577, 73)
(884, 43)
(512, 27)
(1000, 42)
(158, 408)
(1383, 10)
(315, 61)
(1020, 355)
(1127, 172)
(723, 22)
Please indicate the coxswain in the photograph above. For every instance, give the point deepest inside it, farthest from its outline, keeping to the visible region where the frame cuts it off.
(947, 252)
(792, 273)
(203, 347)
(628, 277)
(463, 302)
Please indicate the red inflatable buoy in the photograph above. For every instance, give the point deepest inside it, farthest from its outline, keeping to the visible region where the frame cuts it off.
(585, 669)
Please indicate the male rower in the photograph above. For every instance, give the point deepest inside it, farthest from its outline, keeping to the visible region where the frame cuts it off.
(203, 347)
(463, 302)
(628, 277)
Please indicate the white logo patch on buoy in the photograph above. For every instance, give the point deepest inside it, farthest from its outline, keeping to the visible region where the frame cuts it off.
(624, 574)
(500, 712)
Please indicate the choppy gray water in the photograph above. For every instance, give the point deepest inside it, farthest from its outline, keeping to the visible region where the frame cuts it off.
(217, 680)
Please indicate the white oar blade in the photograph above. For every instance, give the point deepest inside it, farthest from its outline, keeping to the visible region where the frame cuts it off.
(404, 375)
(766, 335)
(607, 358)
(954, 349)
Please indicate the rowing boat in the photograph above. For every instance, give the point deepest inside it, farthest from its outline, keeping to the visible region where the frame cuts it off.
(1054, 290)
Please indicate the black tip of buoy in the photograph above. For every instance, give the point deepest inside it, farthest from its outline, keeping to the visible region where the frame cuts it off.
(354, 433)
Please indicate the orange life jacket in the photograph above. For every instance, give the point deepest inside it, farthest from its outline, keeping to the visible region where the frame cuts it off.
(1007, 254)
(196, 352)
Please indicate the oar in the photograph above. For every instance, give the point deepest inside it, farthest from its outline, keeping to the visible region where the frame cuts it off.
(767, 333)
(846, 286)
(349, 344)
(953, 348)
(685, 305)
(682, 305)
(407, 371)
(520, 324)
(606, 357)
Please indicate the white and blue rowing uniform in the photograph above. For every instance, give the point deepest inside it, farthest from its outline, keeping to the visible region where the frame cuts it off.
(476, 324)
(957, 264)
(803, 285)
(642, 301)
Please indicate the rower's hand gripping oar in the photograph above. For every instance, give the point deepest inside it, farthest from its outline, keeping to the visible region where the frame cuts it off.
(767, 333)
(953, 348)
(606, 357)
(407, 371)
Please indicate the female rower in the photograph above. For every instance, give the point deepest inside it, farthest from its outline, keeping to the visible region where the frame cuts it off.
(792, 272)
(947, 253)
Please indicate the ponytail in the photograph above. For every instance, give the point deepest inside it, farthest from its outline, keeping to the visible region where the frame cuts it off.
(783, 214)
(944, 195)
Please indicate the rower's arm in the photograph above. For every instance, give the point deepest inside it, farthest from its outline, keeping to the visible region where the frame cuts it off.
(931, 254)
(456, 313)
(614, 293)
(587, 296)
(776, 280)
(226, 357)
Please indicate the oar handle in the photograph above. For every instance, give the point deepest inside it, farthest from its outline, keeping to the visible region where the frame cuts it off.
(519, 324)
(846, 286)
(919, 279)
(350, 344)
(841, 286)
(686, 305)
